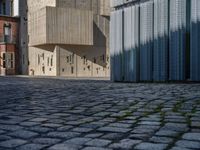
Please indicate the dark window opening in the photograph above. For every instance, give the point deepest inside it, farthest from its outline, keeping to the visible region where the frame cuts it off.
(72, 70)
(4, 60)
(11, 64)
(89, 68)
(95, 60)
(43, 70)
(7, 33)
(84, 60)
(11, 61)
(73, 58)
(67, 59)
(48, 61)
(51, 60)
(103, 58)
(12, 8)
(38, 59)
(4, 8)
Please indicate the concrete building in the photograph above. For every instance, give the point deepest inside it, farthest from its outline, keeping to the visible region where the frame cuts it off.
(69, 38)
(155, 40)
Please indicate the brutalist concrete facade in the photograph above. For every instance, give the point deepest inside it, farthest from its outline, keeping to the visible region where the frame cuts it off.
(69, 38)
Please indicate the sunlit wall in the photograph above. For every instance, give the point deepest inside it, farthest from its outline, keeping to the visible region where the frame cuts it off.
(155, 40)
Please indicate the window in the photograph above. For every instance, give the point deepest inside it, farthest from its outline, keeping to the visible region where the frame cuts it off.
(4, 60)
(103, 58)
(88, 68)
(67, 59)
(48, 61)
(8, 60)
(11, 8)
(7, 33)
(38, 59)
(43, 56)
(84, 60)
(95, 60)
(11, 60)
(51, 60)
(43, 69)
(72, 70)
(72, 58)
(4, 8)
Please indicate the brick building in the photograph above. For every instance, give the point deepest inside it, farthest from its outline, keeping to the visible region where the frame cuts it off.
(8, 45)
(13, 37)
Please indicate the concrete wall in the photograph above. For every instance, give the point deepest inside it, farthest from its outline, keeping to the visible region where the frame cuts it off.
(100, 7)
(35, 5)
(42, 62)
(53, 25)
(71, 59)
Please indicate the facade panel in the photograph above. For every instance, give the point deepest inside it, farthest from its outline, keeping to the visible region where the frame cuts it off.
(195, 44)
(146, 41)
(160, 48)
(169, 36)
(177, 40)
(131, 43)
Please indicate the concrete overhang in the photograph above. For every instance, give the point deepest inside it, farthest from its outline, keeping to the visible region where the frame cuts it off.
(60, 26)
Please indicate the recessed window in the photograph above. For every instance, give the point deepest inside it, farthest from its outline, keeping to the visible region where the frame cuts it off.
(67, 59)
(38, 59)
(72, 58)
(48, 61)
(103, 58)
(95, 60)
(84, 60)
(72, 70)
(8, 60)
(51, 60)
(89, 68)
(12, 8)
(11, 60)
(3, 8)
(4, 60)
(43, 70)
(7, 33)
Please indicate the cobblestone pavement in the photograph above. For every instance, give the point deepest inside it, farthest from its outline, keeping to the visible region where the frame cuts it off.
(58, 114)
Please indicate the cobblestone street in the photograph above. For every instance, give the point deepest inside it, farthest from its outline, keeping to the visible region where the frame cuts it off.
(59, 114)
